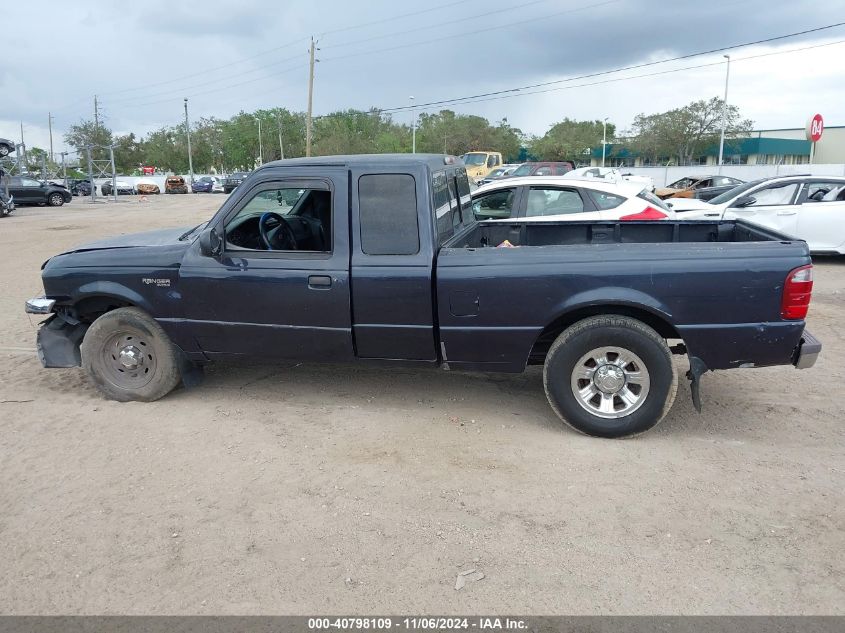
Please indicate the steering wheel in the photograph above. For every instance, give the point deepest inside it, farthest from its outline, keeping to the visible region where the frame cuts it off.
(284, 236)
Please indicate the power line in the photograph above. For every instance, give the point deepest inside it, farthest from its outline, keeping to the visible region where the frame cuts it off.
(616, 70)
(494, 96)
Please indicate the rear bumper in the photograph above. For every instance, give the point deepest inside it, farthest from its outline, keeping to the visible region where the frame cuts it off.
(808, 351)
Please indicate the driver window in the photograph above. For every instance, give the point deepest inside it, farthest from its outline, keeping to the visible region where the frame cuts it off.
(283, 219)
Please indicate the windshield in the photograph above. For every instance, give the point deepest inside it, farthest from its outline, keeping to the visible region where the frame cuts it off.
(730, 194)
(474, 159)
(522, 170)
(683, 183)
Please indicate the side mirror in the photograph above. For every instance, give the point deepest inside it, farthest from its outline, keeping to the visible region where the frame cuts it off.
(744, 201)
(211, 244)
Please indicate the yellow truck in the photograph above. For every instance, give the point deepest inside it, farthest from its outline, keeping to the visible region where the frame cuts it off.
(479, 163)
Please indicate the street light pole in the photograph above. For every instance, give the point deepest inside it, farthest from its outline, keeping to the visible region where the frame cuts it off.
(724, 113)
(603, 140)
(188, 132)
(413, 127)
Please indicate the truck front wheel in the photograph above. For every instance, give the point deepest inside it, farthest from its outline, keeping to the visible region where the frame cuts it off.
(610, 376)
(129, 356)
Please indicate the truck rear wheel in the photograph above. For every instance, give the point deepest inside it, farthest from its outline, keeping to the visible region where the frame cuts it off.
(610, 376)
(130, 357)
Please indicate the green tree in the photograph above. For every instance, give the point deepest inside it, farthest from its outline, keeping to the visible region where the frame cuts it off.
(445, 132)
(682, 134)
(570, 140)
(87, 132)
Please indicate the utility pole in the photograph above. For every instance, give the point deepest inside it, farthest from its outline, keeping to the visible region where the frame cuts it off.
(188, 132)
(310, 100)
(413, 126)
(22, 166)
(50, 125)
(281, 147)
(603, 140)
(64, 169)
(96, 113)
(260, 146)
(724, 112)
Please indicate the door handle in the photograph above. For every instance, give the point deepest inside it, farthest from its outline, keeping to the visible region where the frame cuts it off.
(786, 212)
(319, 281)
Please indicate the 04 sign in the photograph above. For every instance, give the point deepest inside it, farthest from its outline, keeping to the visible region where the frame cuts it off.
(815, 128)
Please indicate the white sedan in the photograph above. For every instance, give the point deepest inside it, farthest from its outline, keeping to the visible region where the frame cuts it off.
(610, 174)
(811, 208)
(533, 198)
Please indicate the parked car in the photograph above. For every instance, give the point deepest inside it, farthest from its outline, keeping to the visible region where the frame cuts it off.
(391, 266)
(26, 190)
(6, 147)
(807, 207)
(147, 188)
(542, 169)
(233, 180)
(610, 174)
(175, 184)
(207, 184)
(497, 173)
(83, 188)
(123, 187)
(702, 187)
(479, 163)
(567, 199)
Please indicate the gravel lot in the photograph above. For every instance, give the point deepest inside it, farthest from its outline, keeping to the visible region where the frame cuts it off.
(327, 489)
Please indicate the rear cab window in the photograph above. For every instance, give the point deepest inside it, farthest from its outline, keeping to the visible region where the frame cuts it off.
(388, 214)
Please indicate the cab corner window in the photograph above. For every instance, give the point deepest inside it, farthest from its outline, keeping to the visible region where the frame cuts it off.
(283, 219)
(387, 205)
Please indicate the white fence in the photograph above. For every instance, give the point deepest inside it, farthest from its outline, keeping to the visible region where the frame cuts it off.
(664, 175)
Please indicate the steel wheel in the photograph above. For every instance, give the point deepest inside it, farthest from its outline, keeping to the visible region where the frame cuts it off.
(128, 360)
(56, 200)
(610, 382)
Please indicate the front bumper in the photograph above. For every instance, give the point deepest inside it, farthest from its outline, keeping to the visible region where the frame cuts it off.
(808, 351)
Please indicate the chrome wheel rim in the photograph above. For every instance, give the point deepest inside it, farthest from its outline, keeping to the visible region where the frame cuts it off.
(610, 382)
(129, 361)
(56, 199)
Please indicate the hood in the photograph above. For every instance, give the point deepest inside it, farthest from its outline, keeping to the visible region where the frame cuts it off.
(666, 191)
(160, 237)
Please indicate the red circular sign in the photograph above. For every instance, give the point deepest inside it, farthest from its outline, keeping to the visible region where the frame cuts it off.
(815, 128)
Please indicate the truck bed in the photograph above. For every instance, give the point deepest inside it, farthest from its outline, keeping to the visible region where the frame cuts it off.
(556, 233)
(716, 285)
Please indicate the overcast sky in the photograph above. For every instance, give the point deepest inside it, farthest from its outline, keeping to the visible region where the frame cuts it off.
(143, 58)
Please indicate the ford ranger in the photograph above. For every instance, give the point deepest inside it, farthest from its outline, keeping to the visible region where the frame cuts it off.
(379, 258)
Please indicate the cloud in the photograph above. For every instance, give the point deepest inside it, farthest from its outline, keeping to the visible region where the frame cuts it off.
(470, 48)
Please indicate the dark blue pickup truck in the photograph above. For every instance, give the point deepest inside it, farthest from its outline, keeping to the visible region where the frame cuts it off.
(380, 258)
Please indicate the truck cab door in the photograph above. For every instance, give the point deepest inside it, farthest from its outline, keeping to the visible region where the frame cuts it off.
(391, 268)
(286, 301)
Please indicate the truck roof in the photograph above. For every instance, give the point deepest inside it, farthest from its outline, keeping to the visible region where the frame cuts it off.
(434, 161)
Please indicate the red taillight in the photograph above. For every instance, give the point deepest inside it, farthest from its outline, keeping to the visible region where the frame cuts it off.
(649, 213)
(796, 293)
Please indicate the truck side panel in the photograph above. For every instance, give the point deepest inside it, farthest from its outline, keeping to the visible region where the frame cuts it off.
(723, 299)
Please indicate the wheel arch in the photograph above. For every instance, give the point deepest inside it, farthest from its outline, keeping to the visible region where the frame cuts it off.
(659, 321)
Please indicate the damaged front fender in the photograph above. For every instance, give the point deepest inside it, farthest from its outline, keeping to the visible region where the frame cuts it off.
(58, 342)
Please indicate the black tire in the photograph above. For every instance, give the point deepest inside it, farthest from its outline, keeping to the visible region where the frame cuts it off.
(4, 151)
(657, 382)
(142, 341)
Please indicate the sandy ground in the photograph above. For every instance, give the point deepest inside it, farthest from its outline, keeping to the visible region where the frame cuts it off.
(314, 489)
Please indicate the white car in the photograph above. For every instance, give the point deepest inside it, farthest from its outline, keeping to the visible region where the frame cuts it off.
(811, 208)
(533, 198)
(610, 174)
